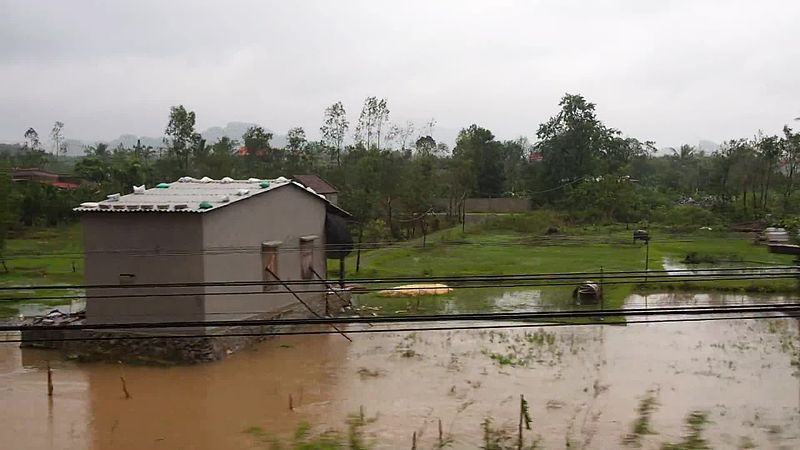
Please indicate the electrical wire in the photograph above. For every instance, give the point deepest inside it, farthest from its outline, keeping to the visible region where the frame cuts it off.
(225, 250)
(473, 317)
(721, 271)
(635, 281)
(399, 330)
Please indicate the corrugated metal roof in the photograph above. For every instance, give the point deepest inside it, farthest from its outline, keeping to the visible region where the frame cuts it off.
(192, 195)
(316, 182)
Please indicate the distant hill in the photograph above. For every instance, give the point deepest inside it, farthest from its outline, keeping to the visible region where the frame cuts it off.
(10, 148)
(707, 147)
(233, 130)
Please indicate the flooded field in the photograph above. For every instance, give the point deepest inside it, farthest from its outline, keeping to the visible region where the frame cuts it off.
(583, 385)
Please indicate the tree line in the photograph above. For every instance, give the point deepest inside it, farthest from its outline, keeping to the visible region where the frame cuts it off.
(390, 174)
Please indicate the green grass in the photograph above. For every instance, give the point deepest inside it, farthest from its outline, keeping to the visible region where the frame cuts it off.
(49, 256)
(45, 256)
(451, 252)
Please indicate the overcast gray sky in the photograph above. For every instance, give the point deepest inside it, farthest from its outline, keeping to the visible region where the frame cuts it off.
(669, 71)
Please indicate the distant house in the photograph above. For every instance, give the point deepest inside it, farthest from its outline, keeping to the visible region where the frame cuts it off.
(45, 177)
(319, 186)
(535, 157)
(207, 234)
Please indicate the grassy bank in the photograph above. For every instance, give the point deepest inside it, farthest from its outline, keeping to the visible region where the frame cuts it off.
(49, 256)
(54, 256)
(482, 252)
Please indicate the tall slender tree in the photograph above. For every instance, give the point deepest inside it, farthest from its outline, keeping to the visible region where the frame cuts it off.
(335, 128)
(57, 137)
(181, 136)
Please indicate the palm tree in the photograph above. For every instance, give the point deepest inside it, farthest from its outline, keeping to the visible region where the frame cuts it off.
(685, 153)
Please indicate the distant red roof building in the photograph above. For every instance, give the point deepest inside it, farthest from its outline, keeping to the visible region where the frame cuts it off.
(45, 177)
(535, 156)
(65, 185)
(244, 151)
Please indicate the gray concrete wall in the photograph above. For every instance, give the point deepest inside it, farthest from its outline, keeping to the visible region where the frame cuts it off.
(156, 248)
(285, 215)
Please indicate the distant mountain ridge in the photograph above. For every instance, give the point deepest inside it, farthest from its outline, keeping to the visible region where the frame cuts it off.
(233, 130)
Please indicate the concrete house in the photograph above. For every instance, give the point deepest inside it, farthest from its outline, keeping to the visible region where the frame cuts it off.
(202, 232)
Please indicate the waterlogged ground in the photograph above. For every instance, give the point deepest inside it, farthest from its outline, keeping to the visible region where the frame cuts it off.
(583, 385)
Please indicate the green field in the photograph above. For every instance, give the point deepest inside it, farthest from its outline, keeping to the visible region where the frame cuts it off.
(50, 256)
(452, 252)
(54, 257)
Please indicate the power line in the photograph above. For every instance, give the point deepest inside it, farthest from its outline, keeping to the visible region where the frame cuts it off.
(474, 317)
(610, 275)
(226, 250)
(540, 307)
(637, 280)
(399, 330)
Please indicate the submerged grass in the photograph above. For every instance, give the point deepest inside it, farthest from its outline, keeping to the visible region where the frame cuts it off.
(590, 249)
(641, 427)
(54, 256)
(695, 424)
(306, 439)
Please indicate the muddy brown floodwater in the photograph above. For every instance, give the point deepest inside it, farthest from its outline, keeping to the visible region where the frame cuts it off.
(583, 384)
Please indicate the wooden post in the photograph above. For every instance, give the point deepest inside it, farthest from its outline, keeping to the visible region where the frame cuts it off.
(441, 438)
(341, 272)
(521, 419)
(122, 379)
(414, 441)
(291, 403)
(647, 258)
(358, 249)
(424, 231)
(49, 380)
(602, 290)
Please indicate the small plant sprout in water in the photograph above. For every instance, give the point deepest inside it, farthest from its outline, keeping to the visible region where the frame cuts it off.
(694, 426)
(306, 439)
(641, 426)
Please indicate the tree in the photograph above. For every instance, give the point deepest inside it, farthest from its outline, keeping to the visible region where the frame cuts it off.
(32, 140)
(478, 146)
(768, 152)
(222, 161)
(335, 129)
(374, 114)
(181, 138)
(573, 141)
(296, 139)
(381, 117)
(57, 136)
(790, 159)
(401, 133)
(425, 145)
(6, 214)
(514, 165)
(297, 156)
(257, 149)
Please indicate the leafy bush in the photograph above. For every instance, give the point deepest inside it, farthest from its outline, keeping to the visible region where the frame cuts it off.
(535, 222)
(686, 217)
